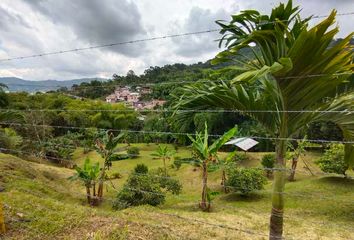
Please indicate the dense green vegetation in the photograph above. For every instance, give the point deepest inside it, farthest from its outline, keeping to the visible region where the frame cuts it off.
(278, 80)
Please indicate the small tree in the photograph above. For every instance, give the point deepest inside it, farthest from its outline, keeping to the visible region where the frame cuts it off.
(143, 187)
(333, 160)
(294, 154)
(163, 153)
(133, 152)
(88, 174)
(268, 161)
(245, 180)
(106, 147)
(204, 154)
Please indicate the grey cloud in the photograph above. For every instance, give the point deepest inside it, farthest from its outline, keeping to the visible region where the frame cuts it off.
(96, 22)
(7, 20)
(199, 19)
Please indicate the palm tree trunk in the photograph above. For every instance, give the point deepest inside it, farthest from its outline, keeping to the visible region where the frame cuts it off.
(293, 169)
(276, 218)
(2, 220)
(204, 204)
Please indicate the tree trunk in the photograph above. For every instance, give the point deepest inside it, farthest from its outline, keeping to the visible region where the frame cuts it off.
(223, 181)
(2, 220)
(293, 169)
(88, 194)
(164, 165)
(204, 205)
(276, 218)
(94, 200)
(100, 185)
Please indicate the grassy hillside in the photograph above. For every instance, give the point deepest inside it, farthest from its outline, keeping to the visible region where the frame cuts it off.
(40, 203)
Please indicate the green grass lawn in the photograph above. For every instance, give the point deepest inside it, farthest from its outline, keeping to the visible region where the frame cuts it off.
(41, 203)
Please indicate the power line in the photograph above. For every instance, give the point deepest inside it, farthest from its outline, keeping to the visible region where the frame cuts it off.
(144, 40)
(169, 133)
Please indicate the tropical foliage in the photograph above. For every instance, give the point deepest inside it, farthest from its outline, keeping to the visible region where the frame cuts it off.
(333, 160)
(106, 146)
(294, 68)
(164, 154)
(204, 154)
(88, 174)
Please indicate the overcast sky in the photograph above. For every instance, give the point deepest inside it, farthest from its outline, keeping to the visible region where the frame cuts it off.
(35, 26)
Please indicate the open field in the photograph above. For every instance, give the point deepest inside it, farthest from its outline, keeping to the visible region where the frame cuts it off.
(41, 203)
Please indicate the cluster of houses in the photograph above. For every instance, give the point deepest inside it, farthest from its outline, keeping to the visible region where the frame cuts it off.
(132, 97)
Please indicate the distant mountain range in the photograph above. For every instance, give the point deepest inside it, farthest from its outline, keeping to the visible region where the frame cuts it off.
(18, 85)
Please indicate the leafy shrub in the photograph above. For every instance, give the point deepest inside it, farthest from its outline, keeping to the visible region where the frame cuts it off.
(241, 157)
(141, 169)
(143, 187)
(133, 152)
(166, 182)
(268, 161)
(333, 160)
(115, 175)
(245, 180)
(139, 190)
(171, 185)
(119, 157)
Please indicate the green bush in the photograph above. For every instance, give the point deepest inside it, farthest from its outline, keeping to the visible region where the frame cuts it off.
(143, 187)
(139, 190)
(170, 184)
(332, 160)
(133, 152)
(268, 161)
(245, 180)
(115, 175)
(141, 169)
(241, 157)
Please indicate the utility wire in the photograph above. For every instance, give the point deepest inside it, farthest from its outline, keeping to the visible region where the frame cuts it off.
(169, 133)
(143, 40)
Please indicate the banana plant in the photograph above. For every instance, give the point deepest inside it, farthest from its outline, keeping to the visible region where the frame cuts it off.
(294, 68)
(204, 154)
(106, 146)
(163, 153)
(88, 174)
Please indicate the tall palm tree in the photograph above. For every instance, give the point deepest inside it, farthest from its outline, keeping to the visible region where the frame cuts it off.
(294, 68)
